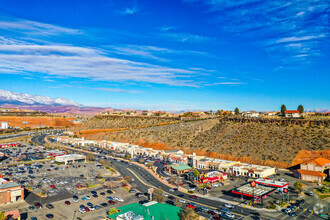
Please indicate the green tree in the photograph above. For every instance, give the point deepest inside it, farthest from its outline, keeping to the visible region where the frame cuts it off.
(298, 186)
(196, 174)
(112, 211)
(300, 109)
(283, 109)
(158, 196)
(2, 215)
(150, 164)
(236, 111)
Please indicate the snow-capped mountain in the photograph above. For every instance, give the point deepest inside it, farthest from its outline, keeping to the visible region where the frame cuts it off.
(23, 98)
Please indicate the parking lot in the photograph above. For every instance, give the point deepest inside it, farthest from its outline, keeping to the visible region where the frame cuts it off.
(62, 210)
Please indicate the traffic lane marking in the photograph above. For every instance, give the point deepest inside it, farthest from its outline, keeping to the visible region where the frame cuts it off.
(212, 207)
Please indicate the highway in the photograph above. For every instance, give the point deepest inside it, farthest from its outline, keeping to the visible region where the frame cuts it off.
(144, 180)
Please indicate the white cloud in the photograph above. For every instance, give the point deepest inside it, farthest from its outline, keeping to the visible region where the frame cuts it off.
(296, 39)
(36, 28)
(275, 23)
(73, 61)
(130, 11)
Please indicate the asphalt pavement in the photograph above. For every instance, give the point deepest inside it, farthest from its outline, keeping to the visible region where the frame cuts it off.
(145, 180)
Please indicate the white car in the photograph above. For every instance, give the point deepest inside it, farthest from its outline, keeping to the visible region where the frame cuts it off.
(230, 215)
(229, 206)
(82, 210)
(182, 200)
(120, 200)
(88, 197)
(164, 194)
(91, 208)
(171, 190)
(75, 200)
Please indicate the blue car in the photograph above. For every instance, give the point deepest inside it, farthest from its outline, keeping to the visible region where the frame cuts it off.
(84, 199)
(109, 198)
(292, 214)
(34, 218)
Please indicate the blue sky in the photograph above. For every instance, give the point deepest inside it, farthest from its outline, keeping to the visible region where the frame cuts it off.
(169, 55)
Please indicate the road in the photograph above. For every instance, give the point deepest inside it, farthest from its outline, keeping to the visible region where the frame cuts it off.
(144, 180)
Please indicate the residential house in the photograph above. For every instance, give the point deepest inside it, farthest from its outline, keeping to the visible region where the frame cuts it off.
(292, 114)
(251, 114)
(273, 113)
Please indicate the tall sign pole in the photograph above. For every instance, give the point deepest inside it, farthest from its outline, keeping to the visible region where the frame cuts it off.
(286, 191)
(253, 184)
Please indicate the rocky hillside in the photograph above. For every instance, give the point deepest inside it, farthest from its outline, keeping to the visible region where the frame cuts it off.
(112, 122)
(266, 143)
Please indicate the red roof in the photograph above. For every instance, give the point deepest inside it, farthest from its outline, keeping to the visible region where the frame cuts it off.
(319, 161)
(292, 111)
(311, 173)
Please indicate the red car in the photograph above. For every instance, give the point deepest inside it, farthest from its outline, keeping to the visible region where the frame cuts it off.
(111, 202)
(67, 202)
(52, 186)
(124, 185)
(87, 209)
(191, 206)
(194, 197)
(208, 187)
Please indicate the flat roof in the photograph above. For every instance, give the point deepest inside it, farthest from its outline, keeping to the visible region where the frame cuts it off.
(159, 211)
(70, 156)
(274, 183)
(180, 166)
(259, 190)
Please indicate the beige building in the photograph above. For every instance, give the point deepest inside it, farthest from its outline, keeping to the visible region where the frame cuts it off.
(252, 170)
(313, 170)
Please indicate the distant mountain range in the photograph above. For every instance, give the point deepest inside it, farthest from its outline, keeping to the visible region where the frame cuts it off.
(47, 104)
(9, 97)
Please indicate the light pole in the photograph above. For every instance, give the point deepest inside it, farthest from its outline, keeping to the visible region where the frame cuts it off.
(74, 213)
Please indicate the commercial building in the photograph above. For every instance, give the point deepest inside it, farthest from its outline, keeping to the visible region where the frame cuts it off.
(10, 191)
(212, 163)
(179, 168)
(313, 170)
(252, 170)
(4, 125)
(70, 158)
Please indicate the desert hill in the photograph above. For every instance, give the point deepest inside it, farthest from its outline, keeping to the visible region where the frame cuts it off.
(263, 143)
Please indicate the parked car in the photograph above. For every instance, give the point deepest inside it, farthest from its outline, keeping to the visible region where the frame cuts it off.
(104, 204)
(50, 216)
(67, 202)
(37, 205)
